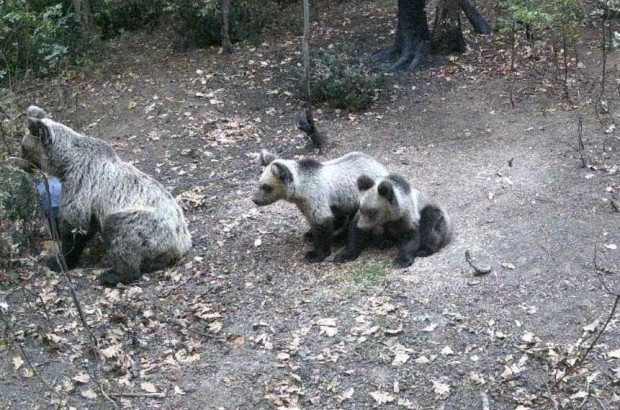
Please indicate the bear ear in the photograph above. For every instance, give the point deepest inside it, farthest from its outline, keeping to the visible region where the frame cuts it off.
(365, 182)
(282, 172)
(40, 130)
(35, 112)
(386, 190)
(266, 157)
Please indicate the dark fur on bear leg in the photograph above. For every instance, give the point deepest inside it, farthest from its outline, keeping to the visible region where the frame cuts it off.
(434, 229)
(403, 261)
(322, 242)
(73, 245)
(358, 241)
(111, 277)
(308, 236)
(408, 251)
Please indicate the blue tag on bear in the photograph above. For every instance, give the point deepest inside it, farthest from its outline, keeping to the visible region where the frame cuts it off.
(56, 197)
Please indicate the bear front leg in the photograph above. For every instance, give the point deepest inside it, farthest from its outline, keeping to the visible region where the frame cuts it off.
(322, 236)
(73, 244)
(407, 251)
(357, 241)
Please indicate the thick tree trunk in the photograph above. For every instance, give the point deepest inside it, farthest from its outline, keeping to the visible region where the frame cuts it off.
(475, 18)
(412, 35)
(225, 31)
(85, 17)
(411, 43)
(447, 34)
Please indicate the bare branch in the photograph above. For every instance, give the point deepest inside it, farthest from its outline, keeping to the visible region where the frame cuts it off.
(147, 395)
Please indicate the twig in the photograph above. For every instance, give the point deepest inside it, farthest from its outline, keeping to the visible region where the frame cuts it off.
(615, 205)
(611, 314)
(307, 126)
(598, 401)
(479, 270)
(62, 263)
(485, 400)
(148, 395)
(584, 161)
(598, 270)
(585, 399)
(512, 63)
(565, 58)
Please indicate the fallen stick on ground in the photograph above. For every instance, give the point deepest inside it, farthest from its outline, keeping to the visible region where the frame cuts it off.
(147, 395)
(479, 269)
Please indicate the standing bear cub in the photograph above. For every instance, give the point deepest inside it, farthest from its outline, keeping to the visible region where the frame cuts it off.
(390, 209)
(142, 226)
(325, 192)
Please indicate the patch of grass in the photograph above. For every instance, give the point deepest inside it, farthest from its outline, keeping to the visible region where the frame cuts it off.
(366, 277)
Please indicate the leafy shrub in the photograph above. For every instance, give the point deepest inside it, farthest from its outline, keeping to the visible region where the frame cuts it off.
(114, 17)
(37, 37)
(343, 82)
(199, 23)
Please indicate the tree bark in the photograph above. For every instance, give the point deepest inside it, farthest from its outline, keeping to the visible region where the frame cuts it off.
(412, 35)
(313, 10)
(411, 43)
(447, 34)
(85, 17)
(225, 30)
(475, 18)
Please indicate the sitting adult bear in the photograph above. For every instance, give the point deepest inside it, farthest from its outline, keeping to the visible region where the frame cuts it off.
(142, 226)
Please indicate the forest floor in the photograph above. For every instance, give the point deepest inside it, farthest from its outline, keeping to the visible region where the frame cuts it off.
(244, 323)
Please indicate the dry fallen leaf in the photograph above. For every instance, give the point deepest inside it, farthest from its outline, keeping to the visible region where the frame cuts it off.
(447, 351)
(82, 378)
(382, 397)
(346, 395)
(442, 390)
(614, 354)
(400, 359)
(110, 352)
(430, 327)
(17, 362)
(328, 330)
(148, 387)
(591, 328)
(215, 327)
(89, 394)
(327, 322)
(422, 360)
(476, 378)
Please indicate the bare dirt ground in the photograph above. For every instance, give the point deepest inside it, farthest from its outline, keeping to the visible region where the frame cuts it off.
(244, 323)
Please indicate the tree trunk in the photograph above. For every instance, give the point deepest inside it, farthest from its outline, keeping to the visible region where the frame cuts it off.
(447, 34)
(85, 17)
(475, 18)
(412, 35)
(313, 10)
(316, 138)
(225, 33)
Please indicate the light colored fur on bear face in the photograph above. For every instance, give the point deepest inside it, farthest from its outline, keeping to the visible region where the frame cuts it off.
(144, 225)
(315, 187)
(376, 210)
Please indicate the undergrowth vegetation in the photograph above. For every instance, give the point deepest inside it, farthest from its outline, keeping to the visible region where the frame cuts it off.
(344, 82)
(42, 37)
